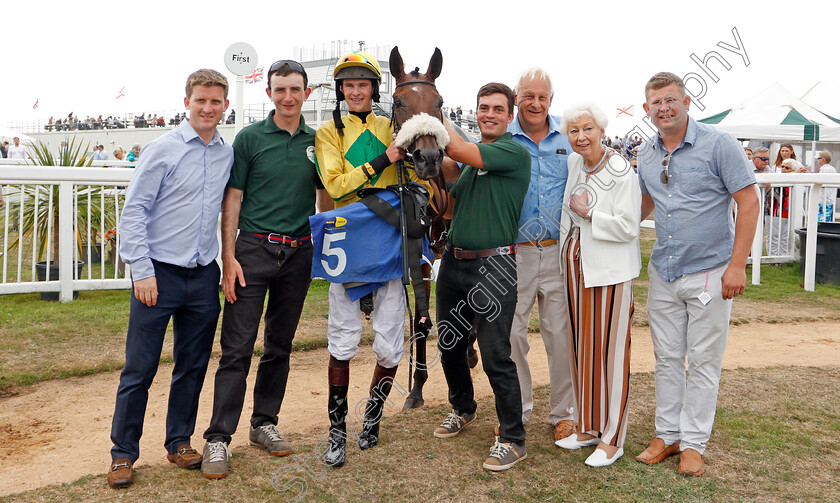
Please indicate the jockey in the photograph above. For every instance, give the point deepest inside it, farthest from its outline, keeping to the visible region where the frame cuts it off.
(353, 152)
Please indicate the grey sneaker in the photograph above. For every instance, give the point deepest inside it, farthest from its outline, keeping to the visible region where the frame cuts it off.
(271, 439)
(453, 424)
(215, 460)
(504, 455)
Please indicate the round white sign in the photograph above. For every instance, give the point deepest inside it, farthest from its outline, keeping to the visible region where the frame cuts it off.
(241, 58)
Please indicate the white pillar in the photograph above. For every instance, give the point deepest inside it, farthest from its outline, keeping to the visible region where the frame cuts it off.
(65, 241)
(758, 240)
(240, 113)
(811, 245)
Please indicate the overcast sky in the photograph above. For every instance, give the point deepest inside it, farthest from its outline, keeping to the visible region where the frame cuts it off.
(77, 56)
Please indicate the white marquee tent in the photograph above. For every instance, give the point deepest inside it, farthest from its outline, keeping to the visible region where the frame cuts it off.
(777, 115)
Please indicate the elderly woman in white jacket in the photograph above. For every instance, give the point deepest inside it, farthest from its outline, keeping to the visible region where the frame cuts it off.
(600, 258)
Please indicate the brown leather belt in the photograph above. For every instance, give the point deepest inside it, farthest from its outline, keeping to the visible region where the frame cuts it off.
(461, 254)
(281, 239)
(539, 244)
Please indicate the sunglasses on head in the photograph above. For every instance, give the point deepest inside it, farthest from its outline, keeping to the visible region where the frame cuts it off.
(292, 64)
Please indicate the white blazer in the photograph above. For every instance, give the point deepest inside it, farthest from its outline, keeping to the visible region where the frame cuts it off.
(609, 243)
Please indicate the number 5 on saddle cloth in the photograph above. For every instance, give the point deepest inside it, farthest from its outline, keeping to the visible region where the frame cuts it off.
(360, 244)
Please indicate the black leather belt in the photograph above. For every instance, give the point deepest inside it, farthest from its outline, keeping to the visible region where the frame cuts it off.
(462, 254)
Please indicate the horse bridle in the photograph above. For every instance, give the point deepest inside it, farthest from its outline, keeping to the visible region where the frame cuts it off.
(406, 83)
(441, 181)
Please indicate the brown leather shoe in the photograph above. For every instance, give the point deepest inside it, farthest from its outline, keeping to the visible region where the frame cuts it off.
(120, 474)
(563, 429)
(186, 457)
(657, 452)
(691, 463)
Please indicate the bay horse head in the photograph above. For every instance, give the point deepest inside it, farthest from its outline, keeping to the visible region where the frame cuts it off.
(417, 114)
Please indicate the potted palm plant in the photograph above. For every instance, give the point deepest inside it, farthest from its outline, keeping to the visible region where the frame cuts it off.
(39, 217)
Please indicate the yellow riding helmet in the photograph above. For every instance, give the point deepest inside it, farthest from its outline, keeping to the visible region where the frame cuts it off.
(357, 65)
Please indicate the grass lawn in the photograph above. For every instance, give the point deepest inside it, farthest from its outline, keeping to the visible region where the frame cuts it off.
(775, 439)
(49, 340)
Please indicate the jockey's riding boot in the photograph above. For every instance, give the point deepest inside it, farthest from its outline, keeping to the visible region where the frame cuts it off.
(380, 387)
(339, 382)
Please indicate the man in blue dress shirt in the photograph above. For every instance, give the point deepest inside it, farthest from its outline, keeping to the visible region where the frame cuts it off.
(539, 271)
(168, 231)
(691, 173)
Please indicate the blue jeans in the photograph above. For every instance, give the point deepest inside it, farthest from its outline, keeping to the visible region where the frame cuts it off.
(482, 292)
(191, 298)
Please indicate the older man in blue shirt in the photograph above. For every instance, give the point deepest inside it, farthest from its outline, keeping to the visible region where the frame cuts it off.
(539, 271)
(690, 173)
(168, 231)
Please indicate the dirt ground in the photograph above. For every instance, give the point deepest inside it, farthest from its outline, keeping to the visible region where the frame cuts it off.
(64, 425)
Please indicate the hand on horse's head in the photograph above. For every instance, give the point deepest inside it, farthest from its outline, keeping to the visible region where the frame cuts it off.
(395, 153)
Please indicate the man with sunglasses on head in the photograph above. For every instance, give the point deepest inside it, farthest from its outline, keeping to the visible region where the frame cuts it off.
(273, 189)
(690, 173)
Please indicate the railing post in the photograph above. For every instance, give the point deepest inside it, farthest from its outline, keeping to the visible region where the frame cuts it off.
(796, 213)
(811, 241)
(758, 240)
(65, 241)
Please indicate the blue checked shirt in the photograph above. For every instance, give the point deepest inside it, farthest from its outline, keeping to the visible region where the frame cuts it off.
(173, 202)
(541, 212)
(694, 225)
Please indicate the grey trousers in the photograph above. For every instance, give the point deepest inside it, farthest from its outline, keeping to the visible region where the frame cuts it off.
(541, 278)
(683, 329)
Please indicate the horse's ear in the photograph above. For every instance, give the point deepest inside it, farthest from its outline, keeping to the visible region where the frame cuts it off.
(395, 62)
(435, 65)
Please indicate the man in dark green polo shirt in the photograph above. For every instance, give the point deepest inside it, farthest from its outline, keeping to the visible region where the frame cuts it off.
(272, 191)
(477, 280)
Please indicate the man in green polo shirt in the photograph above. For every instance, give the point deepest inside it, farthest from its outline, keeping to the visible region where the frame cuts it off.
(272, 191)
(477, 280)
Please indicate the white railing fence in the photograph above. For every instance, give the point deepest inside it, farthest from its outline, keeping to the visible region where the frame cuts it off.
(110, 163)
(89, 203)
(802, 211)
(84, 206)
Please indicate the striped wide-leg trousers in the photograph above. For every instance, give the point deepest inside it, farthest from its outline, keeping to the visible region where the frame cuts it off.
(599, 332)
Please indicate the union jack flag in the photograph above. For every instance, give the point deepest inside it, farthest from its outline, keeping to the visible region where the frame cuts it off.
(625, 111)
(255, 77)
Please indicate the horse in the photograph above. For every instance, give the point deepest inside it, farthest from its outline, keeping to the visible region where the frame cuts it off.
(416, 102)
